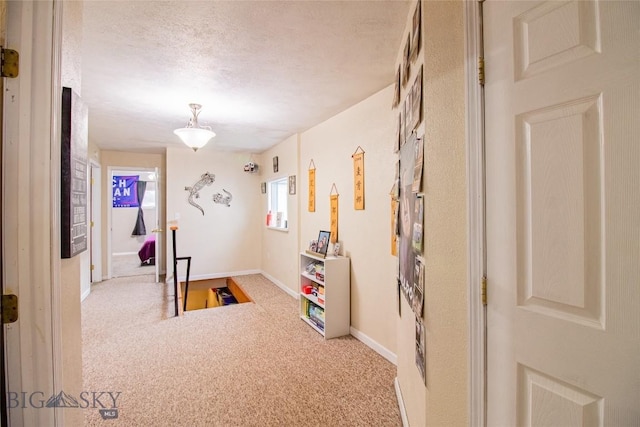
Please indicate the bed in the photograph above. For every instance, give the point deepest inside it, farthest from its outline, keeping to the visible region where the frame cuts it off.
(147, 252)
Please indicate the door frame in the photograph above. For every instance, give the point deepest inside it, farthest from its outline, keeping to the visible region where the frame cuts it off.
(476, 197)
(110, 170)
(96, 223)
(31, 207)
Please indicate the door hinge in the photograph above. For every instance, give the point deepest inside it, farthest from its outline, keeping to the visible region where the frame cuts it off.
(9, 309)
(92, 223)
(9, 63)
(481, 70)
(93, 267)
(484, 290)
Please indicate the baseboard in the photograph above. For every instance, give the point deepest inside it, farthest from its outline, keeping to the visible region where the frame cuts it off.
(403, 411)
(85, 294)
(280, 284)
(374, 345)
(124, 253)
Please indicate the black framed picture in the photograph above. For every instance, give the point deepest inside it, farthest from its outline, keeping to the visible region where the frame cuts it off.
(323, 242)
(275, 164)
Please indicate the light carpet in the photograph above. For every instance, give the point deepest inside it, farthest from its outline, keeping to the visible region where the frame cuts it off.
(254, 364)
(123, 265)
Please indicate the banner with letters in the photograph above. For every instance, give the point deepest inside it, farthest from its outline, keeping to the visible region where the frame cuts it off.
(124, 191)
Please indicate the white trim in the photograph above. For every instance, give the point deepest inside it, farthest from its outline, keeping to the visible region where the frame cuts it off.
(281, 285)
(32, 271)
(85, 294)
(55, 179)
(124, 253)
(374, 345)
(474, 106)
(403, 411)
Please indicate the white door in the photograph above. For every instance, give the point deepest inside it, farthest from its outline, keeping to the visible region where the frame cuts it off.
(563, 212)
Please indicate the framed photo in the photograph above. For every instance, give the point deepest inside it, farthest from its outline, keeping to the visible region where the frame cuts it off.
(275, 164)
(292, 185)
(263, 187)
(323, 242)
(415, 33)
(415, 103)
(406, 63)
(396, 92)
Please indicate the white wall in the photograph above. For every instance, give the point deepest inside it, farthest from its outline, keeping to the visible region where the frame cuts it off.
(280, 249)
(365, 234)
(225, 240)
(444, 400)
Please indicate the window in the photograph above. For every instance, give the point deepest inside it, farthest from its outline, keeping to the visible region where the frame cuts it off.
(149, 200)
(277, 195)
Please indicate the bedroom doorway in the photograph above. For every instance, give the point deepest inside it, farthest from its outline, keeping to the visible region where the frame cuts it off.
(133, 222)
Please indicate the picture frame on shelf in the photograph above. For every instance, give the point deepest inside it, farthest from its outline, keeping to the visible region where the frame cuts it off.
(323, 242)
(336, 249)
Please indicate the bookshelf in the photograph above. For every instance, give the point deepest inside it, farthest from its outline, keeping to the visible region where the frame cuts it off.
(325, 294)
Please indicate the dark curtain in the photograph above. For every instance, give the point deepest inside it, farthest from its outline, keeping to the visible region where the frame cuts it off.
(140, 229)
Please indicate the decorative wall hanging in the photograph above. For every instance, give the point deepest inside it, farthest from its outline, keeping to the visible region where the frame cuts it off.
(418, 219)
(418, 164)
(333, 201)
(222, 199)
(420, 349)
(406, 255)
(263, 187)
(275, 164)
(415, 33)
(358, 178)
(292, 185)
(124, 190)
(406, 64)
(396, 90)
(312, 187)
(251, 167)
(415, 105)
(418, 287)
(394, 226)
(194, 191)
(73, 174)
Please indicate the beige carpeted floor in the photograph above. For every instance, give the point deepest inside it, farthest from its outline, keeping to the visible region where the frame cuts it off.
(241, 365)
(123, 265)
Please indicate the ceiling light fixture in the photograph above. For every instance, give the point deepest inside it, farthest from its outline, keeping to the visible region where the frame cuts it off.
(193, 135)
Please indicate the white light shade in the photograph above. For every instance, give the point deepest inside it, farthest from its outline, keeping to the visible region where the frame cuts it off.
(194, 137)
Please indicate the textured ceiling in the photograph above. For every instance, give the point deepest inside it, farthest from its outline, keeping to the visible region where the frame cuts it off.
(263, 70)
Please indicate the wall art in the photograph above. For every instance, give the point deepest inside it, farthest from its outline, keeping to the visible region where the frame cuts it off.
(333, 203)
(222, 199)
(311, 207)
(194, 191)
(358, 178)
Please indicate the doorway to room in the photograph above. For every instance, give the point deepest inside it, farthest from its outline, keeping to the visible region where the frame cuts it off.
(133, 221)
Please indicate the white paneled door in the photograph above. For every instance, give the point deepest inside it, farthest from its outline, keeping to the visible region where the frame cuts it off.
(563, 212)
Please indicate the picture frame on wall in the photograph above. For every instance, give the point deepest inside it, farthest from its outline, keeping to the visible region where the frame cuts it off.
(263, 187)
(416, 33)
(292, 185)
(415, 103)
(396, 92)
(275, 164)
(406, 63)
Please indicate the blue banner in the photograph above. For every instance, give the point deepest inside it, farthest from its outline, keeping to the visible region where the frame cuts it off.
(125, 194)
